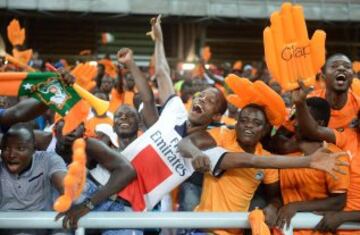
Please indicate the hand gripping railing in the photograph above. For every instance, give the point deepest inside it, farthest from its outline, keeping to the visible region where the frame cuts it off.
(105, 220)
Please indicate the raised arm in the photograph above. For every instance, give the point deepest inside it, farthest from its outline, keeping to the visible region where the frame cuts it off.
(150, 112)
(162, 70)
(308, 126)
(23, 111)
(121, 174)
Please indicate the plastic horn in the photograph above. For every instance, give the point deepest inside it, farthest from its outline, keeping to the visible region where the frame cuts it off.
(100, 106)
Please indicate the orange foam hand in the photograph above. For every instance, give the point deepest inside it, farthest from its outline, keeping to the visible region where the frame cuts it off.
(85, 74)
(15, 33)
(289, 54)
(75, 179)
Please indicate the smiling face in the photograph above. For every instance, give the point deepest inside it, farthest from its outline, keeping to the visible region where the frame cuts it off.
(251, 126)
(207, 106)
(17, 149)
(126, 121)
(338, 73)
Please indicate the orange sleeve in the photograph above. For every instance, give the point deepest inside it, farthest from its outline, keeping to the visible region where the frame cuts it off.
(271, 176)
(340, 139)
(341, 184)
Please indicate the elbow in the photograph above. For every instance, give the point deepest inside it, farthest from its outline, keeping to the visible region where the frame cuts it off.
(128, 172)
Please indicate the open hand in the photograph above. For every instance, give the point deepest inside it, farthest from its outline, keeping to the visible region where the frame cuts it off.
(156, 32)
(323, 159)
(285, 214)
(72, 216)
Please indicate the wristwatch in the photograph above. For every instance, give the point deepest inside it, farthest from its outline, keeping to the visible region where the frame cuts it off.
(89, 204)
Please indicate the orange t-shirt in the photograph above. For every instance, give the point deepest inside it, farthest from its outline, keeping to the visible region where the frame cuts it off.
(343, 117)
(117, 99)
(234, 189)
(348, 138)
(308, 184)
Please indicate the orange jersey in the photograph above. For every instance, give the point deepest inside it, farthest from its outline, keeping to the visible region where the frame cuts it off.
(233, 191)
(308, 184)
(343, 117)
(228, 120)
(116, 99)
(347, 138)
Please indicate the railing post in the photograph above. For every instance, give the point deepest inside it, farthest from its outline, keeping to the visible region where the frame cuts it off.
(80, 231)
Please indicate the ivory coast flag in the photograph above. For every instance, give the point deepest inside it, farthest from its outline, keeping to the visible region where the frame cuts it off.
(46, 87)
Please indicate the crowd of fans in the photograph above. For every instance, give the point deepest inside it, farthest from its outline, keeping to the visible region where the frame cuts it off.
(250, 174)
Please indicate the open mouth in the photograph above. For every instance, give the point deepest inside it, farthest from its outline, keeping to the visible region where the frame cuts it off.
(197, 109)
(13, 166)
(340, 79)
(124, 125)
(248, 133)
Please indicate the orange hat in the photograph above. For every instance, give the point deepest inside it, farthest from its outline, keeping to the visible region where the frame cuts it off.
(110, 68)
(246, 92)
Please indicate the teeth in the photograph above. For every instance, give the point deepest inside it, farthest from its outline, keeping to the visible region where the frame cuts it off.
(124, 125)
(248, 132)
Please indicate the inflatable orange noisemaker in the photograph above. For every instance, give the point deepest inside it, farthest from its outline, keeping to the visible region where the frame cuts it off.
(257, 223)
(15, 33)
(75, 179)
(85, 74)
(246, 92)
(289, 54)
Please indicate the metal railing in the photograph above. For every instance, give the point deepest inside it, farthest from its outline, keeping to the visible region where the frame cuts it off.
(113, 220)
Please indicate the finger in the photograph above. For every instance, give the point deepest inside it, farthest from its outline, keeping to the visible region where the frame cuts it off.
(207, 163)
(342, 163)
(158, 19)
(288, 221)
(319, 226)
(340, 154)
(339, 170)
(59, 215)
(332, 173)
(325, 144)
(65, 222)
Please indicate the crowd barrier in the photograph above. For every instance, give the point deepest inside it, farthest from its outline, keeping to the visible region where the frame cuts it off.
(102, 220)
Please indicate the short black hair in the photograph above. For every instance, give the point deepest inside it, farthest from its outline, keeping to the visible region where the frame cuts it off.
(319, 109)
(17, 127)
(333, 56)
